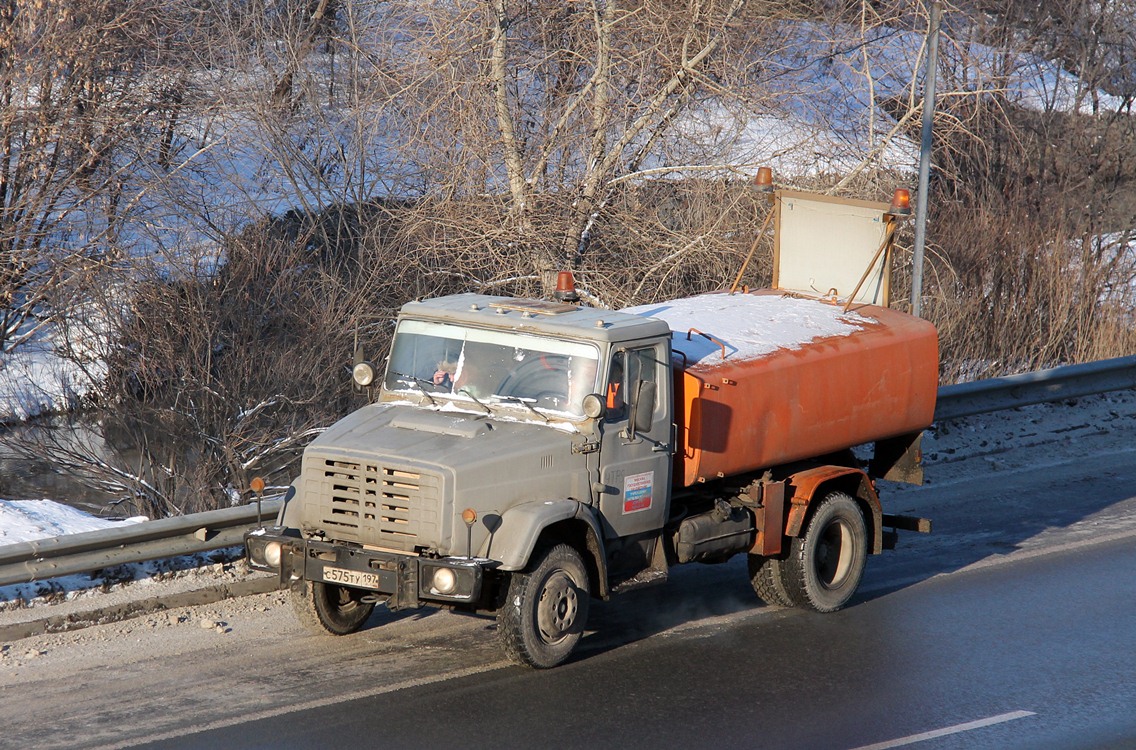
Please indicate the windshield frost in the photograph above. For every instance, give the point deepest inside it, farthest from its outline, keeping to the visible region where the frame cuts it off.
(491, 367)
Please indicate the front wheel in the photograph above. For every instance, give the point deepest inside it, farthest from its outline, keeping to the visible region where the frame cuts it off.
(826, 561)
(545, 609)
(327, 608)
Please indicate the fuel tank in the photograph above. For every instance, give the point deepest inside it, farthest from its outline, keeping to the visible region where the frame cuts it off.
(764, 379)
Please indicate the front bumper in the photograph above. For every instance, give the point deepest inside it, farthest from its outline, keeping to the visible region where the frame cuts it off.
(405, 581)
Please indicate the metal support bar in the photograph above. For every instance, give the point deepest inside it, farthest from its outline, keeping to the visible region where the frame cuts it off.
(886, 244)
(925, 158)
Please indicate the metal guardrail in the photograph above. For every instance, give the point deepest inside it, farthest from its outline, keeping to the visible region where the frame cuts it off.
(1057, 384)
(202, 532)
(136, 542)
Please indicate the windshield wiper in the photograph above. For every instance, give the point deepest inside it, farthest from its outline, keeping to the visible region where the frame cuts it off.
(418, 382)
(524, 402)
(480, 403)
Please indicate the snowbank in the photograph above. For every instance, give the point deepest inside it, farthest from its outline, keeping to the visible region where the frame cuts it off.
(35, 381)
(27, 520)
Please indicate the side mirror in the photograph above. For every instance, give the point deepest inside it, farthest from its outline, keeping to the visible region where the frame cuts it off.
(643, 408)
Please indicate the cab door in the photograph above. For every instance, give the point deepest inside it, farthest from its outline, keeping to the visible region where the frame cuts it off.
(635, 453)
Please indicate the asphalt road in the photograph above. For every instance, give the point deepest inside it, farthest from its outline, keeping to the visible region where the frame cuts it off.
(1012, 626)
(1037, 654)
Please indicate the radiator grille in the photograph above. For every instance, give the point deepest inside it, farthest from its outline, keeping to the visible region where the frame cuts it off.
(374, 503)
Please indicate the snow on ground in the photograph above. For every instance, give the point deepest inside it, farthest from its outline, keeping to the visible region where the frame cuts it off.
(824, 104)
(55, 367)
(34, 381)
(131, 580)
(1038, 435)
(28, 520)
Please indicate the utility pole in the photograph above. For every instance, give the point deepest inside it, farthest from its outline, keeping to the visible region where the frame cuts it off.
(925, 158)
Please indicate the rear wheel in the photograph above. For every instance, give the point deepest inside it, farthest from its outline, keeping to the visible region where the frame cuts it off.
(767, 576)
(545, 609)
(327, 608)
(826, 561)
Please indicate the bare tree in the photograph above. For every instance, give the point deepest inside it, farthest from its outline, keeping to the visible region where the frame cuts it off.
(213, 188)
(575, 97)
(72, 91)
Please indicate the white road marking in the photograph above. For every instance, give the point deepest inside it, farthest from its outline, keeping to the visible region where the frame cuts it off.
(956, 729)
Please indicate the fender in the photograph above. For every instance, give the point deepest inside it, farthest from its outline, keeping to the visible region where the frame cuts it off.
(512, 542)
(811, 483)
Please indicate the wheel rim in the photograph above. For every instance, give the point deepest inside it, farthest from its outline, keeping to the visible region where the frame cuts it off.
(558, 606)
(834, 554)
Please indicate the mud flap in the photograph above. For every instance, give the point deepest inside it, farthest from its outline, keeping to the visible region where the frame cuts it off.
(899, 459)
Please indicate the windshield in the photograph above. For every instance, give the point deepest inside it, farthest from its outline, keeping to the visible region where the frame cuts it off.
(490, 367)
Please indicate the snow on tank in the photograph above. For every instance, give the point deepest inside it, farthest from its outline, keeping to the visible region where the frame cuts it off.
(764, 379)
(748, 325)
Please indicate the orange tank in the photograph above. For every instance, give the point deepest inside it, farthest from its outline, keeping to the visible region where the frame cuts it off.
(864, 376)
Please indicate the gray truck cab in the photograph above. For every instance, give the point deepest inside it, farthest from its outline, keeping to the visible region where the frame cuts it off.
(516, 457)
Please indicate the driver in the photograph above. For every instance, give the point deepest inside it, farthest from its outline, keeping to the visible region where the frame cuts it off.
(444, 375)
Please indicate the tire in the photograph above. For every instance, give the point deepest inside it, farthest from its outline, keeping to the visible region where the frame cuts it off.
(545, 609)
(326, 608)
(826, 562)
(767, 576)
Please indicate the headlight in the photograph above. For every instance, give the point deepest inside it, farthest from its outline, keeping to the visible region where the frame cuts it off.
(445, 582)
(457, 579)
(272, 554)
(594, 406)
(363, 373)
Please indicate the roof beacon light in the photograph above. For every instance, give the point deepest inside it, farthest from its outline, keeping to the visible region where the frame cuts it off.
(900, 203)
(764, 180)
(566, 287)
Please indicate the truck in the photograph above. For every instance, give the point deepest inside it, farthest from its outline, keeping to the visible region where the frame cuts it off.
(522, 457)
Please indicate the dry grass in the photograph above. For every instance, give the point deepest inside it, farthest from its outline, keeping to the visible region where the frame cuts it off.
(1017, 293)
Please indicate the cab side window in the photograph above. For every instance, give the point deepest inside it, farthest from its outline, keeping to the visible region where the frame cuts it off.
(629, 369)
(616, 388)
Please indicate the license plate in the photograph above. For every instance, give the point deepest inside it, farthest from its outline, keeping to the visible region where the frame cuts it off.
(351, 578)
